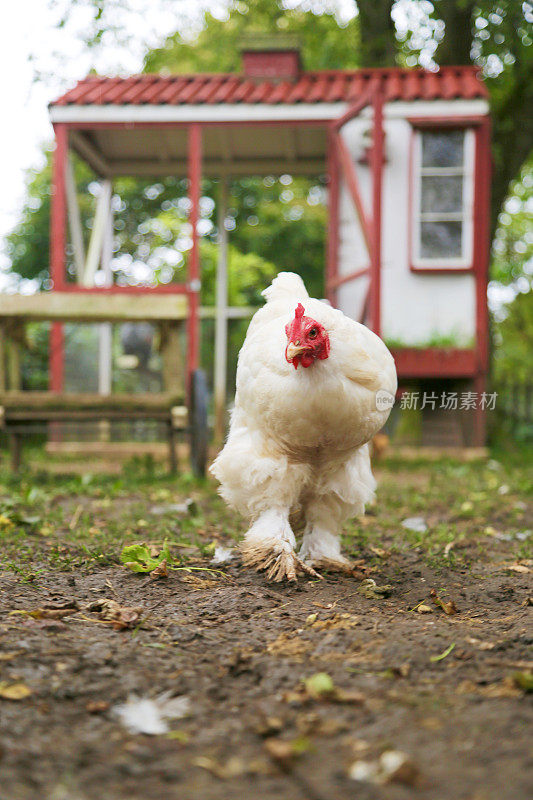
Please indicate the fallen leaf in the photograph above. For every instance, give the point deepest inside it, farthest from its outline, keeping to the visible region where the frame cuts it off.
(448, 606)
(14, 691)
(370, 589)
(138, 558)
(288, 644)
(96, 706)
(392, 766)
(397, 767)
(120, 617)
(9, 655)
(319, 685)
(336, 622)
(443, 655)
(480, 644)
(285, 751)
(161, 571)
(524, 680)
(199, 583)
(179, 736)
(49, 613)
(380, 552)
(447, 549)
(233, 767)
(521, 568)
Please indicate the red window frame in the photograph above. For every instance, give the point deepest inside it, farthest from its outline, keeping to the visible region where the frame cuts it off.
(465, 123)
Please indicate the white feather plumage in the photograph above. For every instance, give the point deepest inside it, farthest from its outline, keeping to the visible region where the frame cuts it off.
(298, 438)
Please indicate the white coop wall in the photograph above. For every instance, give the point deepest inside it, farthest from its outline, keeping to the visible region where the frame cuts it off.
(353, 253)
(415, 308)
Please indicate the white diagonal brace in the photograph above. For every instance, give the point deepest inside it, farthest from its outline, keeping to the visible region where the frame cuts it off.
(74, 221)
(101, 221)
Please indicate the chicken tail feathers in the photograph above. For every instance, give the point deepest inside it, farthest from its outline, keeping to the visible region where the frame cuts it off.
(285, 286)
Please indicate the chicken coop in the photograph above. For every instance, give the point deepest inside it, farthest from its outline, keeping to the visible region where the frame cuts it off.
(406, 155)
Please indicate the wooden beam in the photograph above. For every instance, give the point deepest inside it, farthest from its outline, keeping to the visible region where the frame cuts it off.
(105, 333)
(216, 167)
(58, 209)
(74, 219)
(89, 153)
(93, 307)
(96, 244)
(171, 354)
(376, 164)
(332, 251)
(195, 177)
(350, 176)
(232, 312)
(3, 370)
(340, 279)
(18, 403)
(221, 320)
(14, 363)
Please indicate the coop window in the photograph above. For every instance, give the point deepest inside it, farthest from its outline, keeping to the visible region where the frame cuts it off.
(442, 213)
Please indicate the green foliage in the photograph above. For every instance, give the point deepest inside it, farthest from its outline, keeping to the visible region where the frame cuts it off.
(28, 244)
(513, 354)
(325, 43)
(137, 557)
(513, 244)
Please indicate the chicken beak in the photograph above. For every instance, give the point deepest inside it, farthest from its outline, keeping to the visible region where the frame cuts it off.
(294, 350)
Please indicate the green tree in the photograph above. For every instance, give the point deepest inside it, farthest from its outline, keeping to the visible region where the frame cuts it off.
(325, 43)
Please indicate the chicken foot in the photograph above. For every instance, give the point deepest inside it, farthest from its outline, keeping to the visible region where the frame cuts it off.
(322, 550)
(269, 545)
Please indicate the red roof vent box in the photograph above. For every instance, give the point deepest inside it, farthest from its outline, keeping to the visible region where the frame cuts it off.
(271, 58)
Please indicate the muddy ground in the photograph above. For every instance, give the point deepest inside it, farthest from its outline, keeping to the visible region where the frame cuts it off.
(446, 690)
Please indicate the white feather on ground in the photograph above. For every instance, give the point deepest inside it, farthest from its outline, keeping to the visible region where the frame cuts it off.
(143, 715)
(222, 555)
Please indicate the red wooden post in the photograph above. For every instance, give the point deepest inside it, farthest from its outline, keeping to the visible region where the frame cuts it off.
(58, 208)
(376, 159)
(482, 178)
(56, 357)
(57, 252)
(195, 173)
(333, 220)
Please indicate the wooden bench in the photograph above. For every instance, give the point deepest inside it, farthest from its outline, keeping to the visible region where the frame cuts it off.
(19, 408)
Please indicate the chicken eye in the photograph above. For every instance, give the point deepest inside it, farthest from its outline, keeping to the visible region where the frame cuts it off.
(313, 333)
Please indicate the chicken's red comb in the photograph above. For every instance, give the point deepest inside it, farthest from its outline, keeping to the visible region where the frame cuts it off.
(300, 311)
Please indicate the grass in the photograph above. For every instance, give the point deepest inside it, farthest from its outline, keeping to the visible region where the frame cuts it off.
(71, 523)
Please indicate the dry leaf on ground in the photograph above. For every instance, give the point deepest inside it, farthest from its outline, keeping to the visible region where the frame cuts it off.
(14, 691)
(392, 766)
(448, 606)
(161, 571)
(121, 617)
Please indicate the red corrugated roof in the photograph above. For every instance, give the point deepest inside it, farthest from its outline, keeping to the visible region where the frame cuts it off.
(311, 87)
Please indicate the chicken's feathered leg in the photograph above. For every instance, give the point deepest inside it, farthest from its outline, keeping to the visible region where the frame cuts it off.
(321, 547)
(269, 545)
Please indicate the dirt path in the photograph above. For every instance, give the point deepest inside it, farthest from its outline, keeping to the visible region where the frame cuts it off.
(444, 690)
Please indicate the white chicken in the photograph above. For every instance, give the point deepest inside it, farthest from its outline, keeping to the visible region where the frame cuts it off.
(313, 387)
